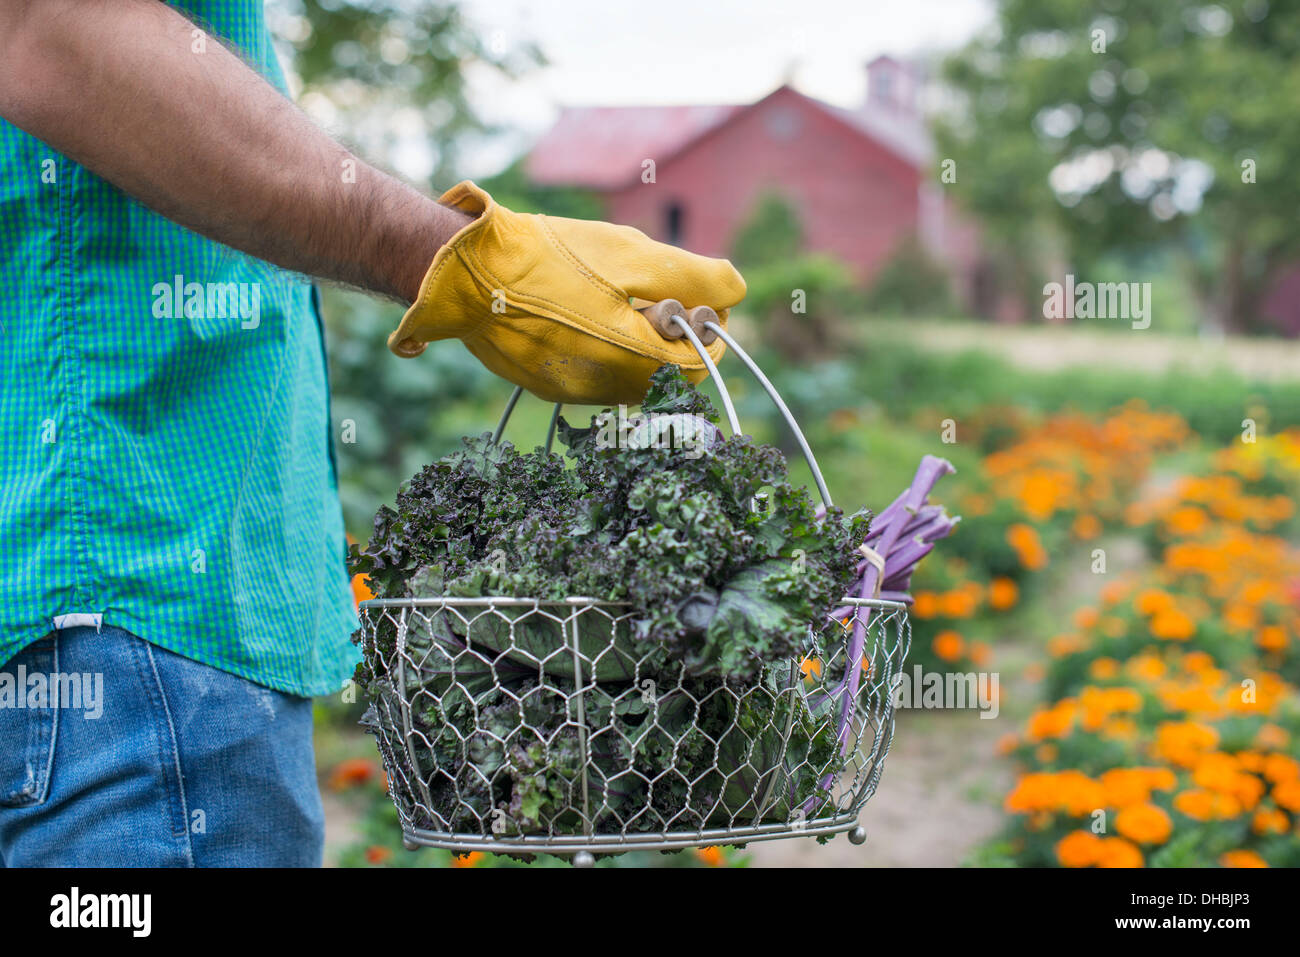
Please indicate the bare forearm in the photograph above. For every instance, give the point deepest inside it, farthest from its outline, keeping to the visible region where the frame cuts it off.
(127, 89)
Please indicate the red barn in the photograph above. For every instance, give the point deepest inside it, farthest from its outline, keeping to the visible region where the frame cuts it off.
(862, 181)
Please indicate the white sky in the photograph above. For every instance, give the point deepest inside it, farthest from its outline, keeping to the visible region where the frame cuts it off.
(624, 52)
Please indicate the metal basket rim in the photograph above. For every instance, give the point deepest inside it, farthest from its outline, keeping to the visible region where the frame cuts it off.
(512, 600)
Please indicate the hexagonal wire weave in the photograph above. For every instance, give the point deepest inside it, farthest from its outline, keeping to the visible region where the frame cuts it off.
(480, 697)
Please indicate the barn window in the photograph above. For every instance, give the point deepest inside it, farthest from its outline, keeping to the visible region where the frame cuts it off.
(674, 222)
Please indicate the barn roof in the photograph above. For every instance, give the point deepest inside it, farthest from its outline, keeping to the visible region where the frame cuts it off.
(603, 147)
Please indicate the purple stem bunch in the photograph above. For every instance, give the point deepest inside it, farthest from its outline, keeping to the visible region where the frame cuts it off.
(902, 535)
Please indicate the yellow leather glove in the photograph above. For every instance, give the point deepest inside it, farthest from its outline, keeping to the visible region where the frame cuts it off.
(543, 301)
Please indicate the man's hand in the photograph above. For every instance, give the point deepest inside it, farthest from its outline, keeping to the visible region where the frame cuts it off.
(136, 93)
(544, 301)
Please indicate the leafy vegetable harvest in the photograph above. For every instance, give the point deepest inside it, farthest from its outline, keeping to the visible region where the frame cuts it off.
(694, 712)
(667, 525)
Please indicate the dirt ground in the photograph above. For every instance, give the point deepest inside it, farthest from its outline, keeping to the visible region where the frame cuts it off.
(937, 799)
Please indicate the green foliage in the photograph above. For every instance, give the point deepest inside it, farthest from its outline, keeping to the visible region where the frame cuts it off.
(915, 382)
(798, 298)
(801, 304)
(396, 59)
(512, 188)
(1181, 89)
(911, 283)
(771, 235)
(657, 512)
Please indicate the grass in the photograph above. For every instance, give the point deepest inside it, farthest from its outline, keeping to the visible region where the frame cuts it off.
(958, 367)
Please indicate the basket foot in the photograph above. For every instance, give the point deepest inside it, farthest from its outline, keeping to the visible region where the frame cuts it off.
(858, 835)
(584, 859)
(409, 844)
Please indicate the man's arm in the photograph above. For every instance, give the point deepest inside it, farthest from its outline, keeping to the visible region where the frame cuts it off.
(117, 86)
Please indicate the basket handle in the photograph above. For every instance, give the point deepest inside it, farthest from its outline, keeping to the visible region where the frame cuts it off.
(727, 405)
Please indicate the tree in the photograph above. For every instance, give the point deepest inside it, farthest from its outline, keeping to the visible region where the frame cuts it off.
(1117, 126)
(394, 71)
(772, 234)
(512, 188)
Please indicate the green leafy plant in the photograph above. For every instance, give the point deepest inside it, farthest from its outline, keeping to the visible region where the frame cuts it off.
(721, 559)
(722, 564)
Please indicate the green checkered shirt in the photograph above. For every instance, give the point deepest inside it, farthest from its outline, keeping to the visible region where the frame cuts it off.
(166, 462)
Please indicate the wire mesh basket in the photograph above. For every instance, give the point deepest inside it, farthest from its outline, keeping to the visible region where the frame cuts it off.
(518, 725)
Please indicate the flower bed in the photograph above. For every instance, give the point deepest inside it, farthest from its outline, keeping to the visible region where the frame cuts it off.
(1171, 730)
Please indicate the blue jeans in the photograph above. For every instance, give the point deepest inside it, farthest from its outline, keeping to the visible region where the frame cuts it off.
(150, 760)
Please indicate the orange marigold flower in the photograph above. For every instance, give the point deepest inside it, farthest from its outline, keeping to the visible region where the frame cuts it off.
(958, 603)
(1103, 668)
(1196, 803)
(710, 856)
(948, 645)
(352, 772)
(1087, 617)
(1287, 795)
(925, 604)
(377, 853)
(1248, 789)
(1003, 594)
(1033, 792)
(980, 653)
(1269, 820)
(1153, 600)
(1172, 624)
(1117, 852)
(1147, 667)
(1227, 806)
(1078, 849)
(1240, 617)
(1183, 742)
(1251, 761)
(1272, 736)
(1125, 786)
(1085, 527)
(1281, 767)
(1053, 722)
(361, 589)
(1098, 704)
(1204, 805)
(1187, 520)
(1271, 638)
(1216, 771)
(1063, 645)
(1028, 546)
(1144, 824)
(1242, 858)
(467, 860)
